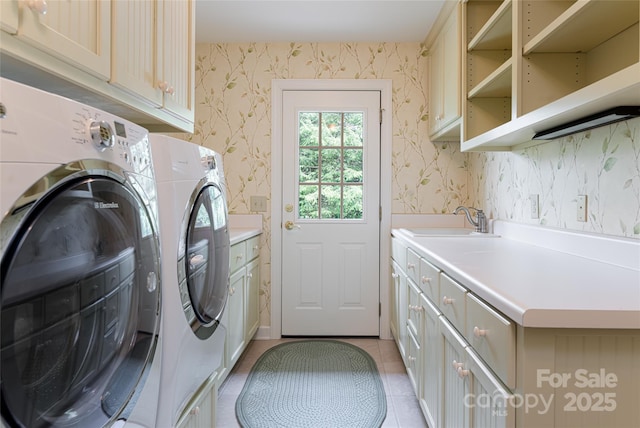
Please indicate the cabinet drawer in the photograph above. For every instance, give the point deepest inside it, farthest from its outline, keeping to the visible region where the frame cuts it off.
(452, 301)
(429, 280)
(399, 253)
(237, 255)
(493, 337)
(253, 248)
(413, 266)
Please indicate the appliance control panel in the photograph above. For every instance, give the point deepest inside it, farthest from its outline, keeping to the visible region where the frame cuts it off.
(40, 127)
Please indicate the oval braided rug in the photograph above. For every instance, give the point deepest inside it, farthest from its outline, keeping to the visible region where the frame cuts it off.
(313, 383)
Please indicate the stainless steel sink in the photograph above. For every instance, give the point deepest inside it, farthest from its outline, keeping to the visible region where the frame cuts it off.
(444, 232)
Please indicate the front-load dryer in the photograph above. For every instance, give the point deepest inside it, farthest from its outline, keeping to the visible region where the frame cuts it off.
(80, 274)
(195, 268)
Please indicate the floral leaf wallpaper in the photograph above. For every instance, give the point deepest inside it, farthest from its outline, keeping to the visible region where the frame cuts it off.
(603, 164)
(233, 117)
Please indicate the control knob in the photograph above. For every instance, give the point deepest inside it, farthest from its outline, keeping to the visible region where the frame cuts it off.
(102, 135)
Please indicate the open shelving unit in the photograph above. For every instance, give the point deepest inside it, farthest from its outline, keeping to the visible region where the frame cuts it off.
(489, 82)
(551, 61)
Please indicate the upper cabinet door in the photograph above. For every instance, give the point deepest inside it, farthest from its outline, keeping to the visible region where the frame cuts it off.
(134, 67)
(9, 16)
(76, 31)
(176, 56)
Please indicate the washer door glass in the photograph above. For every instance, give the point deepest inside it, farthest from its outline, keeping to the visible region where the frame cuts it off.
(79, 305)
(207, 259)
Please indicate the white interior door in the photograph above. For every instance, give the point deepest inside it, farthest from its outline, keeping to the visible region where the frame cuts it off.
(330, 213)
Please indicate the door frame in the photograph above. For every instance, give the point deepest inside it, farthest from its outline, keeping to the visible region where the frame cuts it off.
(278, 86)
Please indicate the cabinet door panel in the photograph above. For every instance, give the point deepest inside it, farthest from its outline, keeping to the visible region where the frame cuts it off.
(76, 31)
(134, 67)
(491, 399)
(455, 413)
(9, 16)
(393, 299)
(432, 363)
(252, 295)
(235, 329)
(177, 55)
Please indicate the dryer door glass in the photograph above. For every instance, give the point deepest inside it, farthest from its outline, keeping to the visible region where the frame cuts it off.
(79, 304)
(207, 257)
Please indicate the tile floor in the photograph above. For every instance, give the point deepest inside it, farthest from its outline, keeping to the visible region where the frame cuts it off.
(403, 410)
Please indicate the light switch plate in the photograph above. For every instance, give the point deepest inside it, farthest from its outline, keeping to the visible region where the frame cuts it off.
(258, 203)
(582, 207)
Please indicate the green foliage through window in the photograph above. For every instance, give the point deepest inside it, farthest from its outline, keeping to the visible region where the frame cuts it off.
(331, 146)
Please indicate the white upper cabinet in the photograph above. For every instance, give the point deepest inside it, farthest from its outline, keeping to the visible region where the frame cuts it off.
(134, 50)
(75, 31)
(135, 59)
(154, 54)
(444, 79)
(9, 16)
(176, 43)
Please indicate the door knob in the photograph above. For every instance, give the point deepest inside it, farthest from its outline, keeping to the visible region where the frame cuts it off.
(289, 225)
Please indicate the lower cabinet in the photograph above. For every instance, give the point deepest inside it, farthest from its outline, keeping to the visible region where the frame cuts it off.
(235, 343)
(429, 395)
(471, 366)
(455, 381)
(201, 411)
(242, 314)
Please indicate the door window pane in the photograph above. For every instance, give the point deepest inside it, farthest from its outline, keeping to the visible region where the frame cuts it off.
(309, 163)
(331, 154)
(331, 129)
(353, 202)
(308, 202)
(331, 198)
(309, 129)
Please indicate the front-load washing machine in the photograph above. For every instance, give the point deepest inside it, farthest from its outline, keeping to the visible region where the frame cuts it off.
(80, 275)
(195, 268)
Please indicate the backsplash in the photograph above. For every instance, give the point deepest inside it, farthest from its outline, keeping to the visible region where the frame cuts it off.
(603, 164)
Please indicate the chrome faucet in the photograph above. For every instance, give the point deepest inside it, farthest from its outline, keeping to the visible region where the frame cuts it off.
(480, 224)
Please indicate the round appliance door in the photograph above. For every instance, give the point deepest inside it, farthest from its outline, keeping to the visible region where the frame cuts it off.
(203, 265)
(79, 272)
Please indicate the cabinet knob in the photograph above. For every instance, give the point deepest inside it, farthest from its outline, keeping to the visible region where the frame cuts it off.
(462, 372)
(395, 275)
(38, 6)
(477, 332)
(447, 300)
(249, 275)
(412, 359)
(195, 411)
(426, 280)
(456, 365)
(411, 266)
(166, 87)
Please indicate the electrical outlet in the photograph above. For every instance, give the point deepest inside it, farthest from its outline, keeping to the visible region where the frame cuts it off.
(258, 203)
(582, 207)
(535, 206)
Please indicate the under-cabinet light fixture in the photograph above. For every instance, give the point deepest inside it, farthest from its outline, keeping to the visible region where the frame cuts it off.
(606, 117)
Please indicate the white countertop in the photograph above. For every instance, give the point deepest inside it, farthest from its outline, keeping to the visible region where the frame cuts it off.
(244, 226)
(541, 287)
(242, 234)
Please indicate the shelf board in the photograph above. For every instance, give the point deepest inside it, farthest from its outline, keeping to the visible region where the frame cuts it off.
(621, 88)
(495, 85)
(496, 32)
(583, 26)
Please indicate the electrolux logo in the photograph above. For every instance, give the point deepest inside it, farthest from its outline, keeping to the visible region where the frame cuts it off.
(105, 205)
